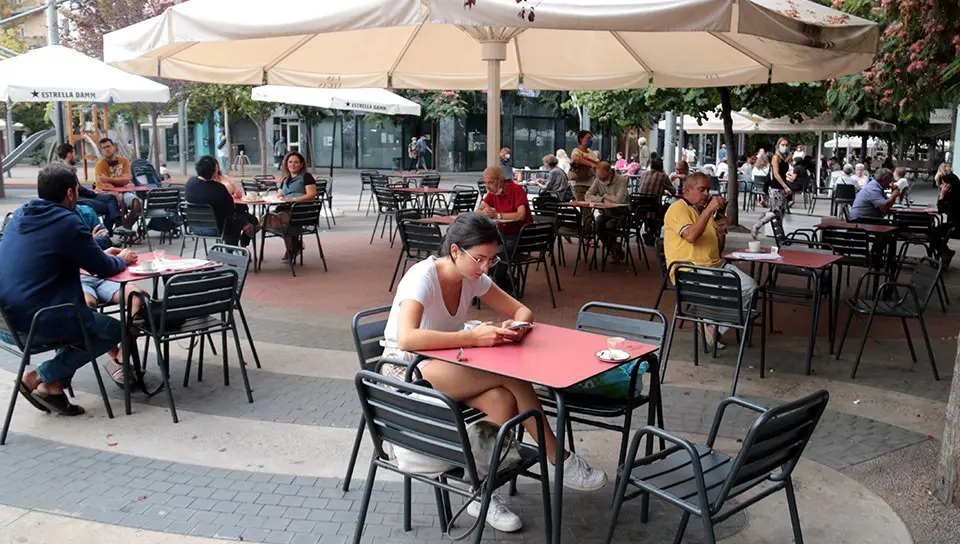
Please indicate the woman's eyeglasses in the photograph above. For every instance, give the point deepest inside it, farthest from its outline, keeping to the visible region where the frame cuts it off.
(491, 262)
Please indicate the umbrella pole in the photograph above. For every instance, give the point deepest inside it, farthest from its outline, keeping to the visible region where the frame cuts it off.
(493, 52)
(333, 143)
(819, 154)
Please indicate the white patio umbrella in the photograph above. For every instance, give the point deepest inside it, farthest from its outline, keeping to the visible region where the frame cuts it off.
(743, 122)
(440, 44)
(367, 100)
(60, 74)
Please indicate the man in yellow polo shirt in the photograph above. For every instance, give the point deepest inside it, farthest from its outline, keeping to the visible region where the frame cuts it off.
(692, 234)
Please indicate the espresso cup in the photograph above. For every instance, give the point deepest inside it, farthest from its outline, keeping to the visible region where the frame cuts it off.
(754, 246)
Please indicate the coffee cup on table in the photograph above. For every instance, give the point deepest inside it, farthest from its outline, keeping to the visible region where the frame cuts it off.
(753, 246)
(774, 251)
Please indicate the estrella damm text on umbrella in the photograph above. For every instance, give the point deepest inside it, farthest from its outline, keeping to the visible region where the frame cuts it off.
(65, 95)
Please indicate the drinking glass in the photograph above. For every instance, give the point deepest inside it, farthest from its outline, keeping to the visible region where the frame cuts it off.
(158, 256)
(613, 345)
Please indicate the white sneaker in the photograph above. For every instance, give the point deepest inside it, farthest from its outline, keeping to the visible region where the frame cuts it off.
(578, 475)
(498, 515)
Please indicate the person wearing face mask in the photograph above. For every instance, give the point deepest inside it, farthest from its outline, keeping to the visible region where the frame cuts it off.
(584, 161)
(778, 187)
(506, 163)
(103, 204)
(47, 235)
(505, 201)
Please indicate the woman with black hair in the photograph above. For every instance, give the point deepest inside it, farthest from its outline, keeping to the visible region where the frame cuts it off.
(430, 310)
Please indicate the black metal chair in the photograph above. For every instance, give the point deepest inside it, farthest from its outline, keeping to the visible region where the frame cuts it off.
(533, 246)
(198, 220)
(842, 194)
(820, 193)
(431, 180)
(666, 273)
(701, 480)
(430, 423)
(417, 242)
(304, 220)
(632, 323)
(238, 259)
(854, 247)
(194, 305)
(482, 187)
(646, 220)
(919, 229)
(161, 204)
(899, 300)
(366, 182)
(25, 349)
(325, 193)
(713, 297)
(570, 225)
(463, 201)
(387, 206)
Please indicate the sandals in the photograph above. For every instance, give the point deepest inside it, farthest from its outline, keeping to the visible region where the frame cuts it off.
(26, 393)
(58, 403)
(115, 371)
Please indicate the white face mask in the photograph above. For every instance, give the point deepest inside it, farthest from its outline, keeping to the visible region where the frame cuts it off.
(784, 149)
(506, 157)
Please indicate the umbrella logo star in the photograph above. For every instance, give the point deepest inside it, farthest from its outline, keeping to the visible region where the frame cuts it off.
(36, 94)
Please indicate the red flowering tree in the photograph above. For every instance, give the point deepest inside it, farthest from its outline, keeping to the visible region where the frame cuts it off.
(917, 67)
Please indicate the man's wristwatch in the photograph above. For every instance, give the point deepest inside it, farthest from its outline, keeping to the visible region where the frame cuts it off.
(499, 215)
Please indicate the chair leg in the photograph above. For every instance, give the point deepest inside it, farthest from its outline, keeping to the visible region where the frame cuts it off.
(375, 224)
(103, 390)
(709, 535)
(243, 364)
(906, 332)
(926, 339)
(441, 511)
(846, 329)
(684, 520)
(360, 199)
(666, 348)
(863, 344)
(618, 497)
(736, 370)
(546, 272)
(407, 491)
(165, 374)
(320, 250)
(794, 514)
(354, 454)
(225, 357)
(24, 361)
(203, 338)
(396, 269)
(365, 502)
(186, 371)
(246, 331)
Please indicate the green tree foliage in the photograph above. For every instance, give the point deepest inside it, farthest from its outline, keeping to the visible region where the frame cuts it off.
(917, 67)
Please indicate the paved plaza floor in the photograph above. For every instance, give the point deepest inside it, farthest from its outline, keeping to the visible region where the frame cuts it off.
(270, 471)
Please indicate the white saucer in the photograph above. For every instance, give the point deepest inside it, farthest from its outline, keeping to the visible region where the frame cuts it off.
(612, 356)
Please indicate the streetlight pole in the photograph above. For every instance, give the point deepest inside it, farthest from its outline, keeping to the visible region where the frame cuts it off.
(53, 38)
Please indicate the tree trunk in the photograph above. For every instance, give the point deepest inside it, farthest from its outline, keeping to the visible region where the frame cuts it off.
(309, 153)
(863, 146)
(226, 137)
(733, 184)
(155, 136)
(948, 471)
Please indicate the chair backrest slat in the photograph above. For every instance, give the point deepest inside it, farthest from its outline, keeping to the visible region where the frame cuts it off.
(305, 214)
(198, 216)
(775, 442)
(534, 238)
(846, 242)
(845, 192)
(367, 327)
(163, 199)
(237, 258)
(712, 293)
(414, 417)
(464, 201)
(630, 322)
(420, 237)
(199, 294)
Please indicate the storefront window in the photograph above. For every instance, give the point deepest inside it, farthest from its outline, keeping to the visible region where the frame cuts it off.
(324, 141)
(533, 137)
(379, 143)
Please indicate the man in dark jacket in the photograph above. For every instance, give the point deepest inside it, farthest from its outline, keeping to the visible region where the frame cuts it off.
(235, 225)
(43, 249)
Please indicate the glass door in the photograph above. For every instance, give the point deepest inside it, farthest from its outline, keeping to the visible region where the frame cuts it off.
(293, 134)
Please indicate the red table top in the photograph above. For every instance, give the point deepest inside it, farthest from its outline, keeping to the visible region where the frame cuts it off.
(421, 190)
(406, 175)
(795, 257)
(256, 202)
(866, 227)
(548, 355)
(600, 205)
(127, 276)
(130, 188)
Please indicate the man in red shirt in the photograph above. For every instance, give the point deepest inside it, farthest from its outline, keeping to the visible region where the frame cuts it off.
(505, 200)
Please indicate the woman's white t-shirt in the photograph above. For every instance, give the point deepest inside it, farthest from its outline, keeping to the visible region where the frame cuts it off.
(421, 284)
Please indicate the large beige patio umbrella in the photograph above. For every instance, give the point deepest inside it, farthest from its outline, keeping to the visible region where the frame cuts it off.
(442, 44)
